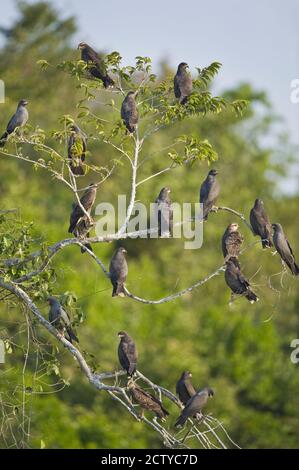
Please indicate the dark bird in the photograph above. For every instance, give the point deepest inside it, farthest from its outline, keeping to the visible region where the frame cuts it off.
(82, 231)
(118, 270)
(129, 112)
(19, 119)
(194, 405)
(236, 280)
(97, 67)
(231, 241)
(146, 400)
(76, 150)
(184, 387)
(59, 318)
(284, 249)
(260, 223)
(209, 192)
(182, 83)
(164, 213)
(87, 201)
(127, 353)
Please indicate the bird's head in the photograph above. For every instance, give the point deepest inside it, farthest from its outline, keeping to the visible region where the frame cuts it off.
(52, 300)
(213, 172)
(183, 66)
(82, 45)
(122, 334)
(23, 102)
(164, 193)
(187, 374)
(121, 249)
(258, 202)
(233, 227)
(276, 227)
(132, 93)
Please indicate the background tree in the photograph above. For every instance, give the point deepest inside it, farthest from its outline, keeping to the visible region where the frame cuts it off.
(242, 351)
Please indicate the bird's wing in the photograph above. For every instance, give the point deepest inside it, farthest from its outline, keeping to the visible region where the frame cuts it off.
(190, 389)
(177, 91)
(204, 191)
(290, 248)
(64, 316)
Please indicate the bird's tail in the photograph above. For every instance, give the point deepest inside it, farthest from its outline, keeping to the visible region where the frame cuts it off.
(77, 169)
(118, 289)
(132, 370)
(295, 269)
(267, 243)
(251, 296)
(184, 100)
(180, 421)
(3, 139)
(88, 246)
(130, 129)
(108, 82)
(72, 336)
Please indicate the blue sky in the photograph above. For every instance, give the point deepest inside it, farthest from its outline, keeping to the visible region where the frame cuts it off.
(256, 41)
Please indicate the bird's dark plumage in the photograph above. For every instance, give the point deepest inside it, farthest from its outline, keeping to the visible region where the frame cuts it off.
(76, 150)
(118, 270)
(146, 400)
(236, 280)
(87, 201)
(59, 318)
(127, 353)
(129, 112)
(164, 213)
(231, 241)
(284, 249)
(97, 67)
(19, 119)
(184, 387)
(194, 405)
(82, 231)
(182, 83)
(209, 192)
(260, 223)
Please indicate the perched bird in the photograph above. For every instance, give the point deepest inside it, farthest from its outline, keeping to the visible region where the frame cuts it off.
(60, 319)
(283, 247)
(87, 201)
(146, 400)
(76, 150)
(129, 112)
(118, 270)
(194, 405)
(260, 223)
(231, 241)
(19, 119)
(97, 65)
(236, 280)
(209, 192)
(184, 387)
(127, 353)
(164, 213)
(82, 231)
(182, 83)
